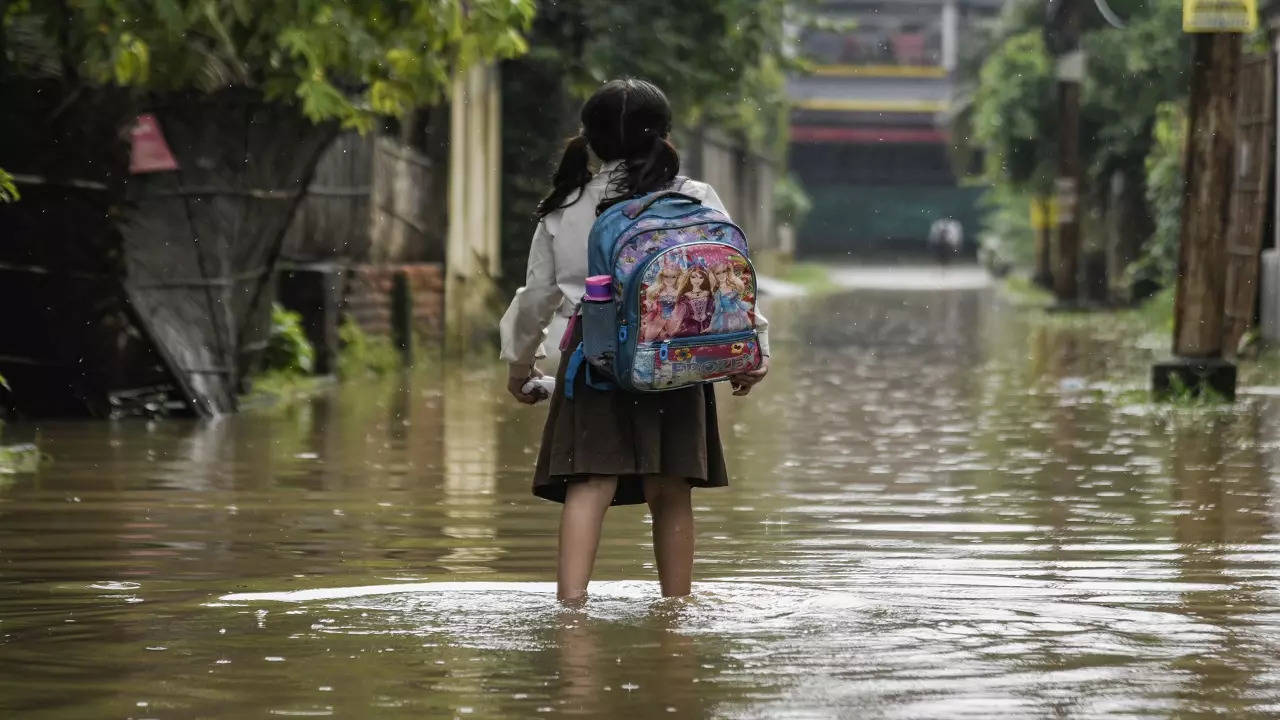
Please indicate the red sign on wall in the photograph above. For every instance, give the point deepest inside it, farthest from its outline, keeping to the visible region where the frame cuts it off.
(149, 152)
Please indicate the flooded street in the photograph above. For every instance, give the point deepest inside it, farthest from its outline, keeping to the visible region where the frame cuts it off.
(938, 509)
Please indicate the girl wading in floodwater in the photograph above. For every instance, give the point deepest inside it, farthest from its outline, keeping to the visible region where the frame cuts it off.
(611, 447)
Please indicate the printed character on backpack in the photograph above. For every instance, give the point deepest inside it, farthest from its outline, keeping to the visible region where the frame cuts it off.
(660, 304)
(693, 309)
(731, 312)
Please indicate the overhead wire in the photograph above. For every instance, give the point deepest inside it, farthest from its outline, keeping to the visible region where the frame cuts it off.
(1109, 15)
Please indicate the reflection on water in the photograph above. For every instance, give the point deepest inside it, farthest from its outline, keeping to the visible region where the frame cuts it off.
(935, 512)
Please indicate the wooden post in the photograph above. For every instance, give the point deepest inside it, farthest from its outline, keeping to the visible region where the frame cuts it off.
(402, 316)
(1070, 73)
(1202, 257)
(1042, 222)
(1198, 308)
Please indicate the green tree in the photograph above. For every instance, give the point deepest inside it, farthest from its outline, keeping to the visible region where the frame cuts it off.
(1131, 72)
(723, 63)
(1165, 190)
(1014, 119)
(349, 61)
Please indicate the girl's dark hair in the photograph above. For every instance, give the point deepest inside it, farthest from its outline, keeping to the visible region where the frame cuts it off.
(627, 120)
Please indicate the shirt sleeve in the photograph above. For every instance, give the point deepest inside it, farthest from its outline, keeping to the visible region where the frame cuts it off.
(524, 326)
(711, 199)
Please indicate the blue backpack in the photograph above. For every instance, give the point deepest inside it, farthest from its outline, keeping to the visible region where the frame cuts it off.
(683, 304)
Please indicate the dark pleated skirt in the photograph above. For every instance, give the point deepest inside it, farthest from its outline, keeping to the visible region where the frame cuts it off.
(630, 435)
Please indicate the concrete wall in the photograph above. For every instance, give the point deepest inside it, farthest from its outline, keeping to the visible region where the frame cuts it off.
(744, 181)
(368, 297)
(472, 255)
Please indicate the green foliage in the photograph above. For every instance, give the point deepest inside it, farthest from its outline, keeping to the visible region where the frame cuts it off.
(288, 349)
(814, 277)
(791, 204)
(1131, 74)
(364, 355)
(1165, 190)
(8, 189)
(1187, 395)
(722, 62)
(1019, 291)
(1007, 238)
(349, 61)
(1014, 118)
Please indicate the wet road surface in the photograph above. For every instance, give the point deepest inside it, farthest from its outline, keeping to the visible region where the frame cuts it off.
(938, 509)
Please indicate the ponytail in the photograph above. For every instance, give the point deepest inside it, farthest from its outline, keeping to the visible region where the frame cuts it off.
(625, 121)
(573, 174)
(650, 172)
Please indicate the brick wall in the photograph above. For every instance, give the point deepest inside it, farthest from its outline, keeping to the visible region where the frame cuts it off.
(368, 297)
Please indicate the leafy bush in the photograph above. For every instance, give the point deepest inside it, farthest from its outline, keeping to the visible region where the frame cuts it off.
(363, 354)
(1015, 118)
(288, 349)
(791, 204)
(1165, 189)
(1007, 238)
(349, 61)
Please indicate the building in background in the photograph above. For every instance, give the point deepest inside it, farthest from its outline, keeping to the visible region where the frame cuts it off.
(868, 138)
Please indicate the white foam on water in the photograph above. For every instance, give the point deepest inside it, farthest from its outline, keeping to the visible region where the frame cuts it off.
(342, 593)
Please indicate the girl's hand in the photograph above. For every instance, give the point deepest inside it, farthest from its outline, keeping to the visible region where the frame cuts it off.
(743, 383)
(516, 379)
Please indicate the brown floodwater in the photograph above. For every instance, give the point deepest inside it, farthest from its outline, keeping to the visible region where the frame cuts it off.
(939, 508)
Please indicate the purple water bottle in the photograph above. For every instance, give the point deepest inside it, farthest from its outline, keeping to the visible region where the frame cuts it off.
(599, 322)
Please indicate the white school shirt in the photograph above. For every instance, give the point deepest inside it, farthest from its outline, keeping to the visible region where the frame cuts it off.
(557, 270)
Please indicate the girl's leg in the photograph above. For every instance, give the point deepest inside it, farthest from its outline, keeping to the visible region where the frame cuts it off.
(671, 505)
(585, 503)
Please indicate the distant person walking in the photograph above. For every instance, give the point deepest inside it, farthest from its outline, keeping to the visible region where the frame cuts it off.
(946, 237)
(610, 447)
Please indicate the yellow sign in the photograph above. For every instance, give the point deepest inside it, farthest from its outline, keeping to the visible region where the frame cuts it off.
(1044, 213)
(1208, 16)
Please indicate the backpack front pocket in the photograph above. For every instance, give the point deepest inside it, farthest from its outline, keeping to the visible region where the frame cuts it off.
(684, 361)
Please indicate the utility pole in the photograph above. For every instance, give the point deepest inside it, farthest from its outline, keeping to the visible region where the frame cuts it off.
(1043, 219)
(1065, 16)
(1202, 255)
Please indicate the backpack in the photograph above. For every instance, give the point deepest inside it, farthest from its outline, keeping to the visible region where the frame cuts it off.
(683, 301)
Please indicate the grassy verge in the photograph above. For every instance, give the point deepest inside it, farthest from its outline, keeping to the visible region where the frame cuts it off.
(814, 277)
(1147, 326)
(1153, 315)
(1019, 291)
